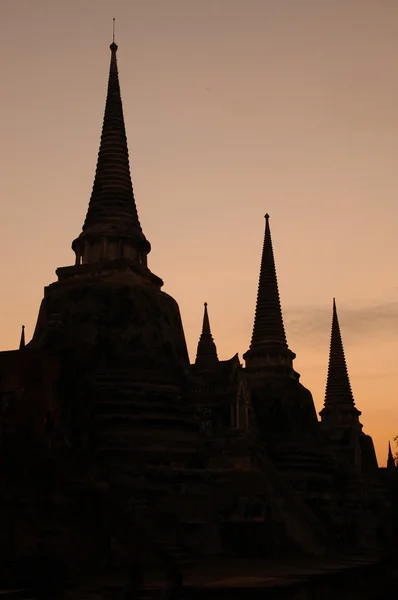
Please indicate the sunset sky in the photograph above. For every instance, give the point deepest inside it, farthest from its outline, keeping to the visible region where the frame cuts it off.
(233, 108)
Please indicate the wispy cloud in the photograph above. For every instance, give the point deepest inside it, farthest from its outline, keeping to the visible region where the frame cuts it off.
(378, 321)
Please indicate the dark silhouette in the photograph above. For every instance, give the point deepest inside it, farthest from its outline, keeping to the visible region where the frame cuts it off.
(173, 586)
(116, 451)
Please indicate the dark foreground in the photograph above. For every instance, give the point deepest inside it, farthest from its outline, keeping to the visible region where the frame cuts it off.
(342, 578)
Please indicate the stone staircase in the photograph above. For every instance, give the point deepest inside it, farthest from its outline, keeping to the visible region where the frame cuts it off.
(310, 536)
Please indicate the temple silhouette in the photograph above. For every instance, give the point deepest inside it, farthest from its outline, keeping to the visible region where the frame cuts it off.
(116, 451)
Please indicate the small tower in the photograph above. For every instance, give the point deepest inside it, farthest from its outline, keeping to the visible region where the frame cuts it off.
(22, 341)
(206, 356)
(339, 416)
(284, 408)
(391, 466)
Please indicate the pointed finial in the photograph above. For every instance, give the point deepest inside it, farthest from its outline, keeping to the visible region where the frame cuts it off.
(266, 216)
(113, 46)
(205, 303)
(22, 342)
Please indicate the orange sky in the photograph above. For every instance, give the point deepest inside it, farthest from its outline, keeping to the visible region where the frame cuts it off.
(233, 108)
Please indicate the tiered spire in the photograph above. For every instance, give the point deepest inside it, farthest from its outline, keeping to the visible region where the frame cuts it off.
(268, 322)
(206, 355)
(338, 387)
(112, 207)
(22, 342)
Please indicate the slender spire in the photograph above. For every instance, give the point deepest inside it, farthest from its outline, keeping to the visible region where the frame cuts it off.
(338, 387)
(268, 322)
(390, 458)
(206, 355)
(112, 210)
(22, 342)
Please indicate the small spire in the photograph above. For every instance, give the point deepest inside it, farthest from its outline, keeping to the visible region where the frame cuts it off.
(268, 321)
(390, 458)
(22, 342)
(206, 355)
(338, 387)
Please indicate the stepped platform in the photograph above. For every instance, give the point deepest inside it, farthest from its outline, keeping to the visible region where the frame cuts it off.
(348, 577)
(255, 574)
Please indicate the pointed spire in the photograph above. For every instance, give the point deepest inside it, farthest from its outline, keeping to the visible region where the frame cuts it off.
(112, 211)
(268, 322)
(390, 458)
(206, 355)
(338, 387)
(22, 342)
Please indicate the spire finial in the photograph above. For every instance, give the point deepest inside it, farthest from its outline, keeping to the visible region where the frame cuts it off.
(206, 355)
(266, 216)
(22, 342)
(113, 46)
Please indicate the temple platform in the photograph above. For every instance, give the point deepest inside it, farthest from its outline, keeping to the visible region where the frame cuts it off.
(343, 577)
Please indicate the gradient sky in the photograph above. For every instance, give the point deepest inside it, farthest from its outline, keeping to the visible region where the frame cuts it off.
(233, 108)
